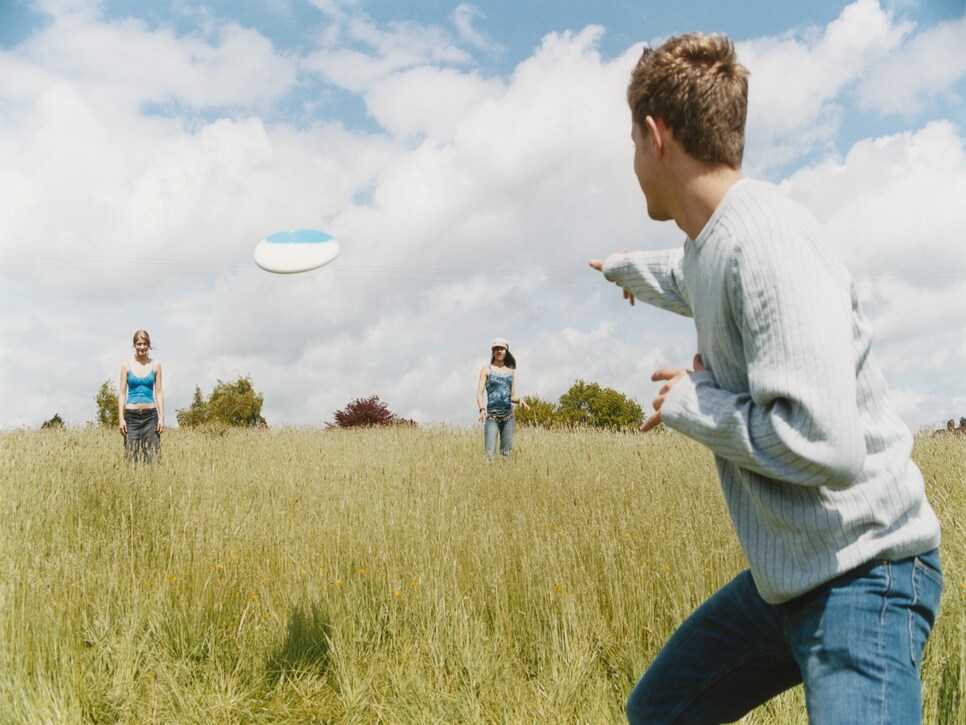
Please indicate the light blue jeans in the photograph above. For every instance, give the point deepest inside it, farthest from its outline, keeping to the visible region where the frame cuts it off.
(503, 429)
(856, 643)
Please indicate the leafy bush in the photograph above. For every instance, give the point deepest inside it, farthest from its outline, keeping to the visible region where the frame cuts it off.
(542, 413)
(195, 414)
(234, 404)
(591, 405)
(106, 400)
(584, 404)
(55, 422)
(366, 412)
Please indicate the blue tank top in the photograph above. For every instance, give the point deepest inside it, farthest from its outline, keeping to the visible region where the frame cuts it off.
(498, 386)
(140, 390)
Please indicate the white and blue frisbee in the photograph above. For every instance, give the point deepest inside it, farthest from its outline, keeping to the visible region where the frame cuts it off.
(296, 250)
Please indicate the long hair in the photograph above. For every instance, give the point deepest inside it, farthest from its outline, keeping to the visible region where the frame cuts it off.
(143, 335)
(508, 360)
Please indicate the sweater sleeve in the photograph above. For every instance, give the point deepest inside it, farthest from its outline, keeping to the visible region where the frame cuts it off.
(653, 277)
(795, 419)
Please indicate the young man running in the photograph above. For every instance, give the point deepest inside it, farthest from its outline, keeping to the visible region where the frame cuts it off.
(844, 578)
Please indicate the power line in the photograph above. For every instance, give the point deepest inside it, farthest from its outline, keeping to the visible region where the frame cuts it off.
(208, 267)
(211, 267)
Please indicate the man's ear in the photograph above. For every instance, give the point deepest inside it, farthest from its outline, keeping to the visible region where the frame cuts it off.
(657, 132)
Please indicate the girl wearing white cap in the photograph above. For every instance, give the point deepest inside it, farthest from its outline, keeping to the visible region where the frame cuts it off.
(495, 397)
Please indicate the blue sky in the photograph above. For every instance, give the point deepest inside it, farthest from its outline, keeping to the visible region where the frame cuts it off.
(470, 157)
(518, 27)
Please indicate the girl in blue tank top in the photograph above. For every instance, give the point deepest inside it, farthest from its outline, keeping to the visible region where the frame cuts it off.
(495, 397)
(140, 402)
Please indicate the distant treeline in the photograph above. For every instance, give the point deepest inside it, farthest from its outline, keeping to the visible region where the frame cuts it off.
(238, 405)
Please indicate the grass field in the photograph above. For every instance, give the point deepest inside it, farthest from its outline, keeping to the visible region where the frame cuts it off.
(377, 575)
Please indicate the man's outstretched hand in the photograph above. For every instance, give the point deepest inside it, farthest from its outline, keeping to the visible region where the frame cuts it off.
(598, 264)
(671, 376)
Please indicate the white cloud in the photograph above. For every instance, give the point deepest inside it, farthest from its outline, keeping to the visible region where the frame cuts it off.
(357, 52)
(124, 61)
(894, 212)
(61, 8)
(428, 101)
(463, 17)
(895, 204)
(338, 9)
(471, 215)
(496, 184)
(929, 64)
(148, 188)
(796, 82)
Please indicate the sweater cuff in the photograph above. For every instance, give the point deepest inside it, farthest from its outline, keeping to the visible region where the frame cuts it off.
(680, 407)
(614, 265)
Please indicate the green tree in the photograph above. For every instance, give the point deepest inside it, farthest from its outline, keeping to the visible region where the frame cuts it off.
(106, 400)
(542, 413)
(234, 404)
(591, 405)
(194, 415)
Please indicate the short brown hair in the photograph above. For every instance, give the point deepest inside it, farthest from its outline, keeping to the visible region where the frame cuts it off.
(697, 86)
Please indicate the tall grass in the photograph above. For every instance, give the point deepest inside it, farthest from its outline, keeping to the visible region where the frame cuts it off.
(376, 575)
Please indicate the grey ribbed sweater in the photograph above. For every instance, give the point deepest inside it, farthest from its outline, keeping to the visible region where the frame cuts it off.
(813, 460)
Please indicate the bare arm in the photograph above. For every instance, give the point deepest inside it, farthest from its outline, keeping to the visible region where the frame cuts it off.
(481, 391)
(513, 393)
(121, 397)
(159, 397)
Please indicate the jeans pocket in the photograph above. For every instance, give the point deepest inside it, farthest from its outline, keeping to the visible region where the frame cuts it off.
(927, 589)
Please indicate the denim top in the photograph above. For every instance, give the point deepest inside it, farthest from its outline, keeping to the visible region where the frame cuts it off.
(140, 390)
(498, 385)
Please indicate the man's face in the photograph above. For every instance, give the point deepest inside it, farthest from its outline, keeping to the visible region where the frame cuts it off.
(646, 168)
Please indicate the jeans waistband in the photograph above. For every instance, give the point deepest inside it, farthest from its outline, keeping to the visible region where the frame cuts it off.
(794, 606)
(499, 414)
(140, 412)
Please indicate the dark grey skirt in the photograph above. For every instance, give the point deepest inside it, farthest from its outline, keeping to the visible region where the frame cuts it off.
(142, 442)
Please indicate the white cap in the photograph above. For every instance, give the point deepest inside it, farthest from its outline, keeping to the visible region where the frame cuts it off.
(500, 342)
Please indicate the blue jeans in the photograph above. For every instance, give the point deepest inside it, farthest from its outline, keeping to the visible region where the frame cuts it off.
(503, 429)
(856, 643)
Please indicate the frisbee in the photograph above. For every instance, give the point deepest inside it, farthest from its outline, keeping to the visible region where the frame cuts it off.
(295, 250)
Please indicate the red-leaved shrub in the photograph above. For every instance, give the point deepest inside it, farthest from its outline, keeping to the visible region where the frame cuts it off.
(366, 412)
